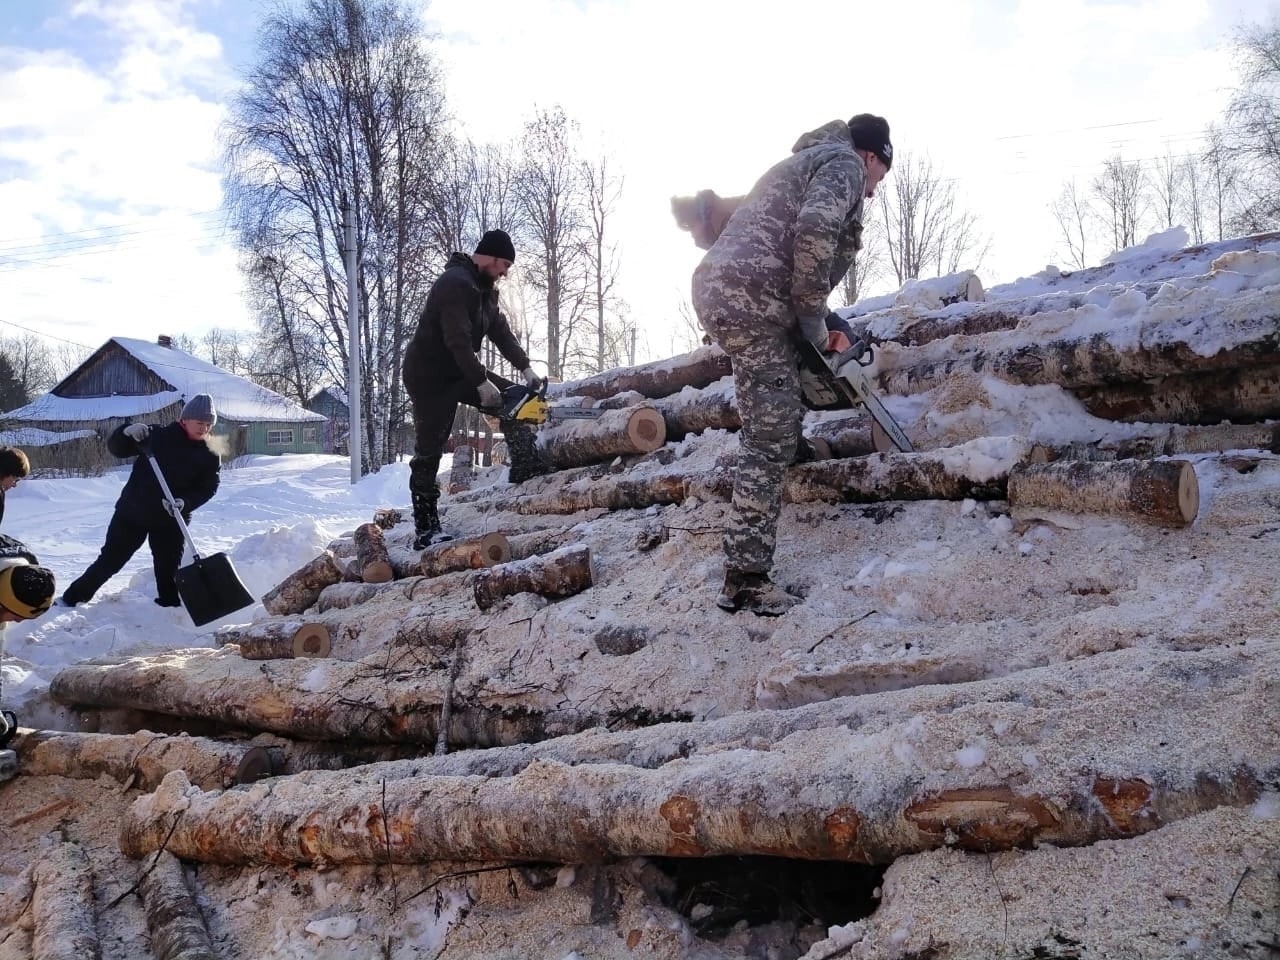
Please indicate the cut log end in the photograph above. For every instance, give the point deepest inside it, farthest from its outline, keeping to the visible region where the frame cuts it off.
(1188, 494)
(647, 429)
(312, 640)
(379, 571)
(494, 548)
(257, 764)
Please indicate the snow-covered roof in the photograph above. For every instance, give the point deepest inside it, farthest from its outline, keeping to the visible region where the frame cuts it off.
(234, 397)
(35, 437)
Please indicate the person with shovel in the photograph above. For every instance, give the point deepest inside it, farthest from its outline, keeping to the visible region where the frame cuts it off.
(143, 513)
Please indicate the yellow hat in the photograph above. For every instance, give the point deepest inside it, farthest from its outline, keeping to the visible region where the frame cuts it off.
(26, 590)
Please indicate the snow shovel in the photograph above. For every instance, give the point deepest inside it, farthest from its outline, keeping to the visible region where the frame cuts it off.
(208, 586)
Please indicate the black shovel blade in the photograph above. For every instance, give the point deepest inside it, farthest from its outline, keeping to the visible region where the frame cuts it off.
(210, 589)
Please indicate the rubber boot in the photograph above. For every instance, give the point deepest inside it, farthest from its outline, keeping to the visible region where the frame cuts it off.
(524, 460)
(426, 520)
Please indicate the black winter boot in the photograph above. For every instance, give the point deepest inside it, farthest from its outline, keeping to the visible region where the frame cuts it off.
(426, 520)
(524, 460)
(754, 592)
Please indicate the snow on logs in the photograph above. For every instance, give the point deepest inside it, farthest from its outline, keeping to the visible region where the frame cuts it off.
(62, 907)
(561, 573)
(807, 797)
(575, 443)
(1163, 492)
(661, 378)
(472, 553)
(300, 589)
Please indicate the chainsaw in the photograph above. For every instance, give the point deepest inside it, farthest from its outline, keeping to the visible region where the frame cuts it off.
(839, 381)
(527, 405)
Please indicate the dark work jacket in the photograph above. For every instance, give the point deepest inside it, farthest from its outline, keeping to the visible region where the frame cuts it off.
(1, 504)
(190, 468)
(460, 312)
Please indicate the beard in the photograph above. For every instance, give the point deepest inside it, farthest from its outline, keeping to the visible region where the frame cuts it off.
(485, 281)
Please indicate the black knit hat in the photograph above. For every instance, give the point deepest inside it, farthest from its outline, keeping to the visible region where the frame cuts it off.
(27, 590)
(870, 132)
(497, 243)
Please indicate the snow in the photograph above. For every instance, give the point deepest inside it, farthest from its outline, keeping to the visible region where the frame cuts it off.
(234, 397)
(942, 587)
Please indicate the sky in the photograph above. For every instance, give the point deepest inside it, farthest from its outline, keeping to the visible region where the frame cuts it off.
(110, 111)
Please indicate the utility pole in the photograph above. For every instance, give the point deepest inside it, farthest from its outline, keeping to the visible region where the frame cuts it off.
(353, 344)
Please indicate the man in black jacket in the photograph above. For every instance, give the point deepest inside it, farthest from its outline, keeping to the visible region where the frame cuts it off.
(142, 513)
(441, 370)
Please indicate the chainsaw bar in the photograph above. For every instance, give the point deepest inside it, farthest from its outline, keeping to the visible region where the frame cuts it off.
(844, 376)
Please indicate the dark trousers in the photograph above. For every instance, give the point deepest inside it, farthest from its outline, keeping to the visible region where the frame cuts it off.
(124, 537)
(433, 413)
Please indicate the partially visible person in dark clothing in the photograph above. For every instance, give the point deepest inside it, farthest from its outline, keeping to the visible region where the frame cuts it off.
(441, 370)
(26, 591)
(14, 466)
(142, 514)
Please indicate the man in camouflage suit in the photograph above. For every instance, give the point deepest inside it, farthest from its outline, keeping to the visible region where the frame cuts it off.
(765, 280)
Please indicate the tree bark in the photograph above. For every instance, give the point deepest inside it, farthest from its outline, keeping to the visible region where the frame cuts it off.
(841, 793)
(386, 517)
(463, 470)
(471, 554)
(616, 433)
(661, 378)
(695, 411)
(141, 759)
(279, 639)
(300, 589)
(560, 574)
(611, 493)
(1170, 440)
(1242, 395)
(1163, 492)
(371, 554)
(525, 545)
(62, 907)
(173, 919)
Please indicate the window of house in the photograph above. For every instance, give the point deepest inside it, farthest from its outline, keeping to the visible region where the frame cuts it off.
(279, 438)
(310, 434)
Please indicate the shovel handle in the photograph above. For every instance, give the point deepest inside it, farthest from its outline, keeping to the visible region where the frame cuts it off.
(145, 447)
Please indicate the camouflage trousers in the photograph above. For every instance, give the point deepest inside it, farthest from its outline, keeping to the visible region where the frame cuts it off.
(766, 381)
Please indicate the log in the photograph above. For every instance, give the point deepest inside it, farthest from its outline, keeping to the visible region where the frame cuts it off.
(278, 639)
(372, 561)
(173, 919)
(559, 574)
(140, 759)
(838, 793)
(616, 433)
(1163, 492)
(463, 470)
(386, 517)
(1195, 398)
(610, 493)
(300, 589)
(695, 411)
(1171, 440)
(62, 906)
(470, 554)
(661, 378)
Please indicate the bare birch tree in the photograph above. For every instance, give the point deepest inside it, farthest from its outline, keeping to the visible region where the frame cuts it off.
(1073, 214)
(601, 190)
(925, 232)
(1167, 188)
(1119, 190)
(344, 104)
(1252, 133)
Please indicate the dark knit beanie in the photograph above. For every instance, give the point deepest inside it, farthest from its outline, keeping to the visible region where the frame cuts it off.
(200, 407)
(870, 132)
(27, 590)
(497, 243)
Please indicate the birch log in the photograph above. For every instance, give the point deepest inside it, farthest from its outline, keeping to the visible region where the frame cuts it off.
(839, 794)
(278, 639)
(462, 472)
(616, 433)
(140, 759)
(62, 906)
(660, 378)
(300, 589)
(173, 919)
(1243, 395)
(386, 517)
(694, 411)
(559, 574)
(525, 545)
(1163, 492)
(372, 561)
(470, 554)
(611, 493)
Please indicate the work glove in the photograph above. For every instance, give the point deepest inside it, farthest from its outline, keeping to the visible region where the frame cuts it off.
(814, 329)
(173, 509)
(137, 432)
(532, 379)
(489, 395)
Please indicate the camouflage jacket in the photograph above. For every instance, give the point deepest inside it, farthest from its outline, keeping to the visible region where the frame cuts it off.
(794, 237)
